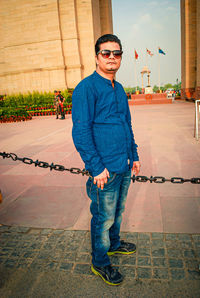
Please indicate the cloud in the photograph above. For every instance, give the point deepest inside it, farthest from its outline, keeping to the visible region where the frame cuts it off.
(146, 18)
(142, 20)
(145, 21)
(157, 26)
(135, 28)
(171, 8)
(153, 3)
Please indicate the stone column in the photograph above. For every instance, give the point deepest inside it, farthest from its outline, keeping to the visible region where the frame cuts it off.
(189, 47)
(148, 76)
(198, 52)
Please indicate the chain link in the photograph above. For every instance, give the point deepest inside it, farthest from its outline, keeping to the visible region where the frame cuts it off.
(60, 168)
(160, 179)
(43, 164)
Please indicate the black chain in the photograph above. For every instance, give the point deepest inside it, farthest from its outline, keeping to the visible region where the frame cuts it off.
(160, 179)
(42, 164)
(60, 168)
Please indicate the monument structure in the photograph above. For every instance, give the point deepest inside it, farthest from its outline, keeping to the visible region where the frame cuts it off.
(190, 49)
(49, 44)
(148, 89)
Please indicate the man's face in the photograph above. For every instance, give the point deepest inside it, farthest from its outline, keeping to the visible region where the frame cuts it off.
(110, 64)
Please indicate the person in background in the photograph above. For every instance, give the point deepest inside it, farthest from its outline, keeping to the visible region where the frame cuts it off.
(102, 134)
(56, 103)
(61, 105)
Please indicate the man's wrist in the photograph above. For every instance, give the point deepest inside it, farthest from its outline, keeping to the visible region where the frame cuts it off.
(97, 172)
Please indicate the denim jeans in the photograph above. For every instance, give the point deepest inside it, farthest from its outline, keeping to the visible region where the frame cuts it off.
(106, 207)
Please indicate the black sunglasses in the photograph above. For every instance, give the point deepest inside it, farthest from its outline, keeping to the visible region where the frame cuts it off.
(106, 53)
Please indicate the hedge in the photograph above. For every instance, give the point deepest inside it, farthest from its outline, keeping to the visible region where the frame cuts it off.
(20, 106)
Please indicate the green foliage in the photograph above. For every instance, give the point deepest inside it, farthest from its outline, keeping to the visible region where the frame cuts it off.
(67, 95)
(155, 88)
(33, 99)
(18, 104)
(168, 86)
(132, 89)
(7, 111)
(177, 86)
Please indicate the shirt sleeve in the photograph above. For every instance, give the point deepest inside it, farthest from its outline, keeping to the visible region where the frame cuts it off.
(134, 145)
(83, 109)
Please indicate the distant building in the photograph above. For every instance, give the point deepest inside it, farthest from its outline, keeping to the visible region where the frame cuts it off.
(49, 44)
(190, 49)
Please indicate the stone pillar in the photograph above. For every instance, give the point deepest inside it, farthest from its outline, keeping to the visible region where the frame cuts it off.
(70, 41)
(49, 44)
(189, 39)
(148, 76)
(183, 65)
(106, 16)
(198, 52)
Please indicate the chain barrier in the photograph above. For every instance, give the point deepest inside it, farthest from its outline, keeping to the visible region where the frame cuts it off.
(60, 168)
(159, 179)
(43, 164)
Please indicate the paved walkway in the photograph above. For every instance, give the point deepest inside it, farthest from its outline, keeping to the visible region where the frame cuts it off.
(36, 197)
(45, 216)
(56, 263)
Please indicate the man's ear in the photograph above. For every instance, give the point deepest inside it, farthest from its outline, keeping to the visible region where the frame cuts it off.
(96, 59)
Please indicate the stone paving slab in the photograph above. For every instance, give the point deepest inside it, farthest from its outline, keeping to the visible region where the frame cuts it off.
(161, 258)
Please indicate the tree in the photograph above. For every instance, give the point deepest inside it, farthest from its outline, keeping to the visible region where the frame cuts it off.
(168, 86)
(155, 88)
(132, 89)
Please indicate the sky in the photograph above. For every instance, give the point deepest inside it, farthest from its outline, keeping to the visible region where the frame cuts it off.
(142, 24)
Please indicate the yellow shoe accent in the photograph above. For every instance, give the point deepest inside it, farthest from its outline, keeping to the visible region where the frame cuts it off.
(98, 274)
(110, 253)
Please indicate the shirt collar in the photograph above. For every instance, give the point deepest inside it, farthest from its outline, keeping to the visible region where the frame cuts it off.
(107, 81)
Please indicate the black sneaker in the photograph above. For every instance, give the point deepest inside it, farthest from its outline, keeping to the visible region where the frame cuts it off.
(110, 275)
(125, 248)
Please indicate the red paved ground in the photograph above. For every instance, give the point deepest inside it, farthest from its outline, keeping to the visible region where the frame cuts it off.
(155, 98)
(36, 197)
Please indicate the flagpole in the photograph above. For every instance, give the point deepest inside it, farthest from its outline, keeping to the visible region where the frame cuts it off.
(135, 75)
(146, 58)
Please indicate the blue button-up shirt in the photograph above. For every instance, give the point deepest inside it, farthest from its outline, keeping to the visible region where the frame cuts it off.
(102, 131)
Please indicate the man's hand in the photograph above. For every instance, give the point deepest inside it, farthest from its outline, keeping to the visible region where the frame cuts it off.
(102, 178)
(136, 167)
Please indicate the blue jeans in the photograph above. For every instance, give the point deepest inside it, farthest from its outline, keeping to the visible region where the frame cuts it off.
(106, 207)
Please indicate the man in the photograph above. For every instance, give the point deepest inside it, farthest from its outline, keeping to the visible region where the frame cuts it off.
(56, 103)
(61, 105)
(103, 136)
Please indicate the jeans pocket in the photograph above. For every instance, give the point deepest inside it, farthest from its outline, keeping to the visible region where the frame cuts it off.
(89, 187)
(111, 178)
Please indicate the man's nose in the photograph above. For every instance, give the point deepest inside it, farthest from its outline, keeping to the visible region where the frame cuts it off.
(111, 55)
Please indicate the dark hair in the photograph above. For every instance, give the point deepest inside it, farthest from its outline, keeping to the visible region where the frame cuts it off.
(106, 38)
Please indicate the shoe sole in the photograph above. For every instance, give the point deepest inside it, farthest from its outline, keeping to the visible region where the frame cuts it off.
(110, 253)
(99, 274)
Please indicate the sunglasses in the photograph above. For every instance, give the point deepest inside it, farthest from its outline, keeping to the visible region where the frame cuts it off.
(106, 53)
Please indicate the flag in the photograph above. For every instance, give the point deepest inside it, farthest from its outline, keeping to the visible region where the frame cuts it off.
(161, 51)
(136, 55)
(150, 53)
